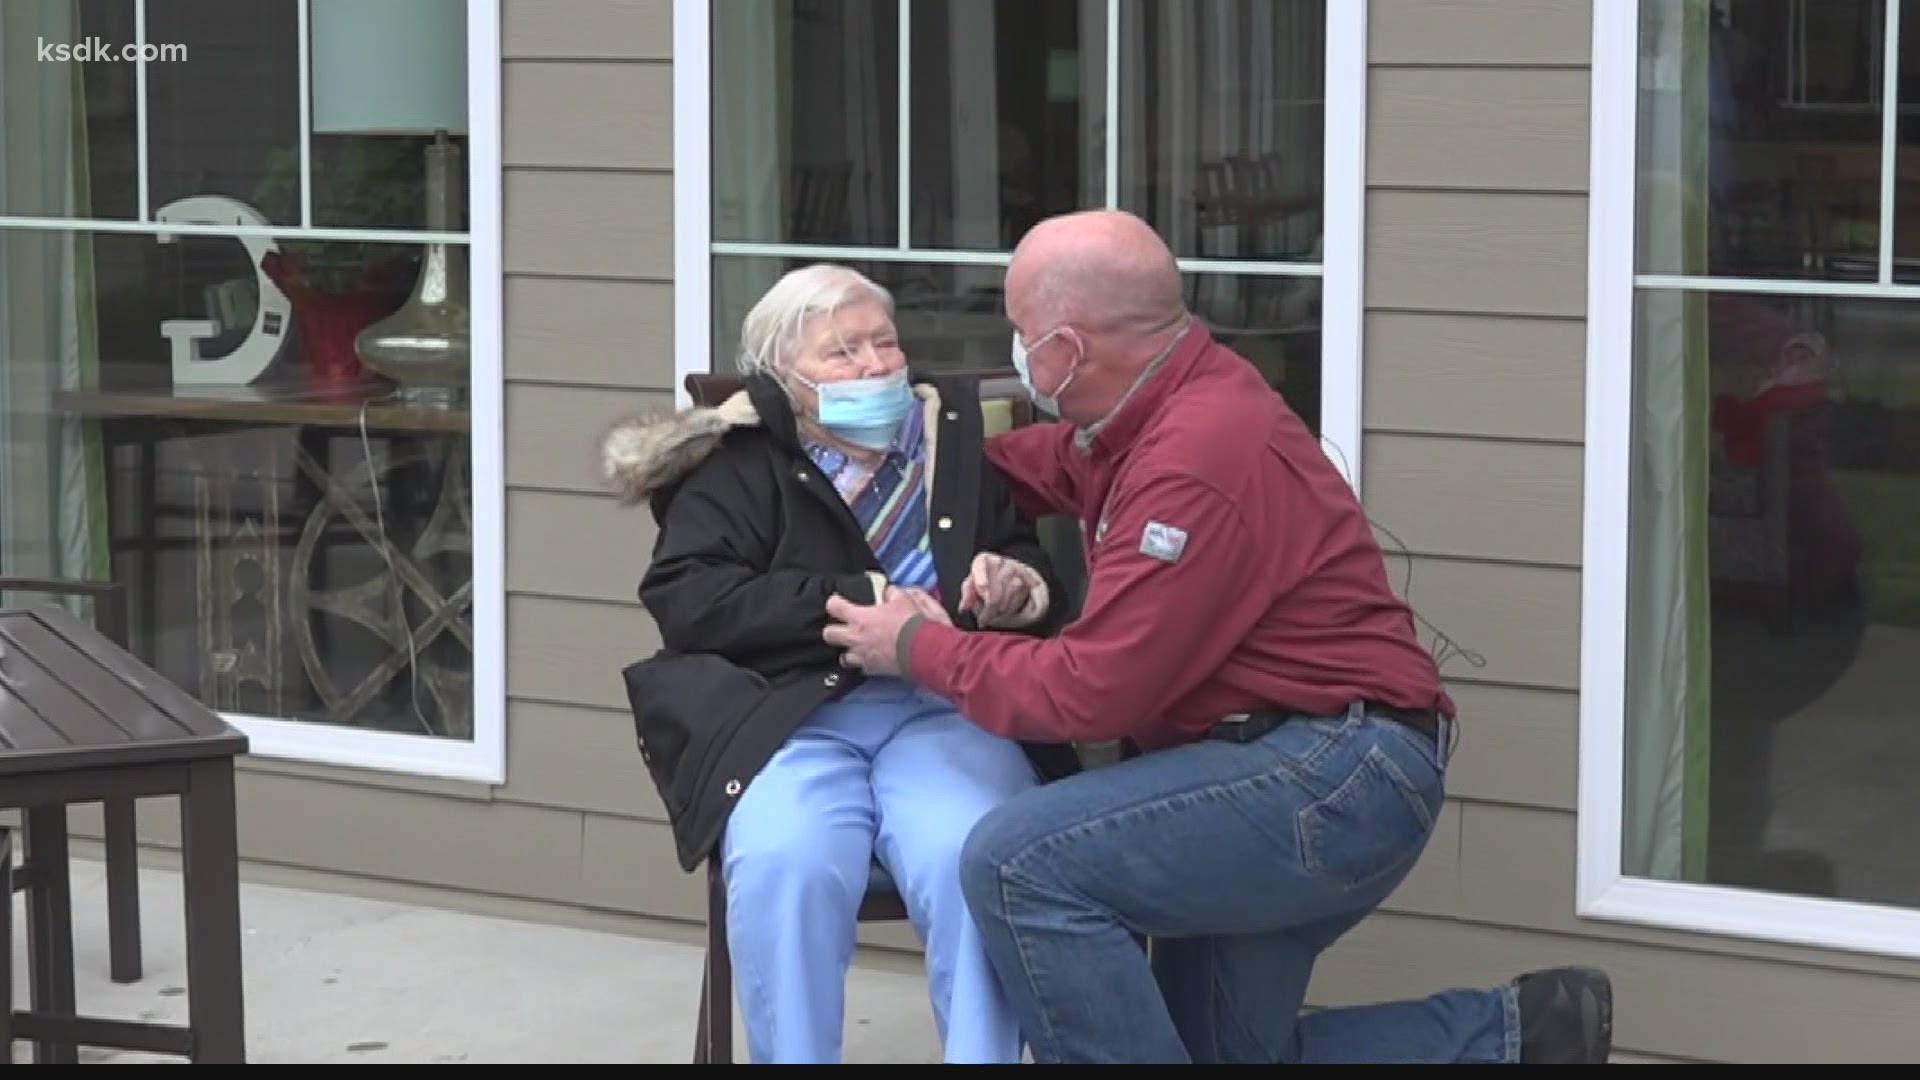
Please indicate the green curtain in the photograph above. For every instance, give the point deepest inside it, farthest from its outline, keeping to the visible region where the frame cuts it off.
(83, 539)
(52, 470)
(1668, 632)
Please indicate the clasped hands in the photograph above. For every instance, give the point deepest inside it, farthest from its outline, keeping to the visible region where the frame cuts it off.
(995, 591)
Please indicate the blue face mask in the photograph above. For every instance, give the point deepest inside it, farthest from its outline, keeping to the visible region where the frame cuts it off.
(864, 412)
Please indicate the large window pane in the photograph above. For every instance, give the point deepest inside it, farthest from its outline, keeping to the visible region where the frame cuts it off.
(191, 416)
(1008, 117)
(806, 121)
(1221, 125)
(389, 116)
(226, 121)
(1274, 322)
(1760, 125)
(223, 111)
(69, 124)
(1775, 615)
(950, 318)
(1906, 188)
(291, 547)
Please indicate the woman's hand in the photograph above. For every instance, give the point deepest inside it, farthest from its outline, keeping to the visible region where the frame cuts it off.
(997, 590)
(923, 602)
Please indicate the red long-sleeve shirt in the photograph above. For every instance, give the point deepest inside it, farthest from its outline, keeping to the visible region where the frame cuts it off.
(1230, 568)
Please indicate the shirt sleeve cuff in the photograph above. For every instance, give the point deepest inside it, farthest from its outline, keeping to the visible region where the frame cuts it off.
(922, 644)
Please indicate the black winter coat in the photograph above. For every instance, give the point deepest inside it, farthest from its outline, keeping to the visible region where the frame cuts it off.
(752, 541)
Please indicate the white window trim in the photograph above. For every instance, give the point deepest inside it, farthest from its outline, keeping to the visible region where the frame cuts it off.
(481, 759)
(1344, 208)
(1603, 892)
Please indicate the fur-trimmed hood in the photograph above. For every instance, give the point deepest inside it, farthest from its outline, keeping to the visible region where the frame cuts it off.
(642, 454)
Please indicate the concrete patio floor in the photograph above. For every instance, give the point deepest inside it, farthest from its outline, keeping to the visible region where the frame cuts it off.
(337, 979)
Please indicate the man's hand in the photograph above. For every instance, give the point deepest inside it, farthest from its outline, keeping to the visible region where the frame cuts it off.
(995, 590)
(871, 635)
(923, 601)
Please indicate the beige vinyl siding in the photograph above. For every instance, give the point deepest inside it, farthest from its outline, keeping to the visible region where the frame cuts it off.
(1515, 129)
(1494, 376)
(1513, 500)
(587, 333)
(590, 332)
(1475, 365)
(553, 430)
(1438, 34)
(589, 257)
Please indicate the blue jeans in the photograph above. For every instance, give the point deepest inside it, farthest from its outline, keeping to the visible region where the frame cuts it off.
(888, 772)
(1241, 862)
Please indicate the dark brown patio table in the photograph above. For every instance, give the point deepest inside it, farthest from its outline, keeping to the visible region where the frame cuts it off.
(83, 721)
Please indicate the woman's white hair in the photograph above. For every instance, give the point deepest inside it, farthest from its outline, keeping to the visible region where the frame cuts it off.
(773, 329)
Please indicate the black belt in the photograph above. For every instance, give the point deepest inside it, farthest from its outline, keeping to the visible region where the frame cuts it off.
(1258, 724)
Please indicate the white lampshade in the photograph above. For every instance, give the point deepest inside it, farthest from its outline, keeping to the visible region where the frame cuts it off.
(389, 67)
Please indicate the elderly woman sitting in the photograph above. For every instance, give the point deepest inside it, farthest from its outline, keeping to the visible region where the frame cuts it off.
(833, 472)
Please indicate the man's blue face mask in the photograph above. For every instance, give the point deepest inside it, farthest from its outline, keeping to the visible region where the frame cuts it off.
(865, 412)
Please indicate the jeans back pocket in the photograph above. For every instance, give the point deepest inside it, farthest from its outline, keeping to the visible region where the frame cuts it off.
(1370, 826)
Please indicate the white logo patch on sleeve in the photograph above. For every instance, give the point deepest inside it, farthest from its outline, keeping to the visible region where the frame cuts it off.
(1163, 542)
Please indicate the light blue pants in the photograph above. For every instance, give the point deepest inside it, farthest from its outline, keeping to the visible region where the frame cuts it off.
(892, 772)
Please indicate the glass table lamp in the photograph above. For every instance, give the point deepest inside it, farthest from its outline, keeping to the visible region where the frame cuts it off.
(386, 68)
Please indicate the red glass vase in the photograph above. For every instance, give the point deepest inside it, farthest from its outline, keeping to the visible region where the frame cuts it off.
(327, 322)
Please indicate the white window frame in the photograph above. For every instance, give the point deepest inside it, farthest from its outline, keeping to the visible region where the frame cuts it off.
(481, 759)
(1603, 892)
(1343, 206)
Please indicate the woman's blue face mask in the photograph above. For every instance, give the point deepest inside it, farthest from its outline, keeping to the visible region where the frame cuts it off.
(865, 412)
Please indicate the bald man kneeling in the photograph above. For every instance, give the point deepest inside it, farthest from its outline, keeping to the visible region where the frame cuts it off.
(1239, 630)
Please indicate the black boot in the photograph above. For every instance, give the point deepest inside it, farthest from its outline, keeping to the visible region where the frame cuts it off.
(1566, 1017)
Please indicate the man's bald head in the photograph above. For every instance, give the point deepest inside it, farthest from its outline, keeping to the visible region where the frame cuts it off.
(1100, 270)
(1096, 296)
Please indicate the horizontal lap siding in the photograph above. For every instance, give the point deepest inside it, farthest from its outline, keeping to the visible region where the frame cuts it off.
(589, 309)
(1474, 368)
(1474, 376)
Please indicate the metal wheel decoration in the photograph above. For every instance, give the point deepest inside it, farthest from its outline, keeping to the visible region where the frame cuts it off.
(402, 607)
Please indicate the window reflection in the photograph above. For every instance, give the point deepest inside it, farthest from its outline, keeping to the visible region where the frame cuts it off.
(1009, 113)
(1272, 321)
(1807, 486)
(1221, 143)
(1768, 116)
(189, 416)
(950, 318)
(806, 121)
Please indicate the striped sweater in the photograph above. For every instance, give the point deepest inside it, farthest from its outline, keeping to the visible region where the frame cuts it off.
(891, 504)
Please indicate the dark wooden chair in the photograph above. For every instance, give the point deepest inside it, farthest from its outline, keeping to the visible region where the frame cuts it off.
(122, 854)
(713, 1042)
